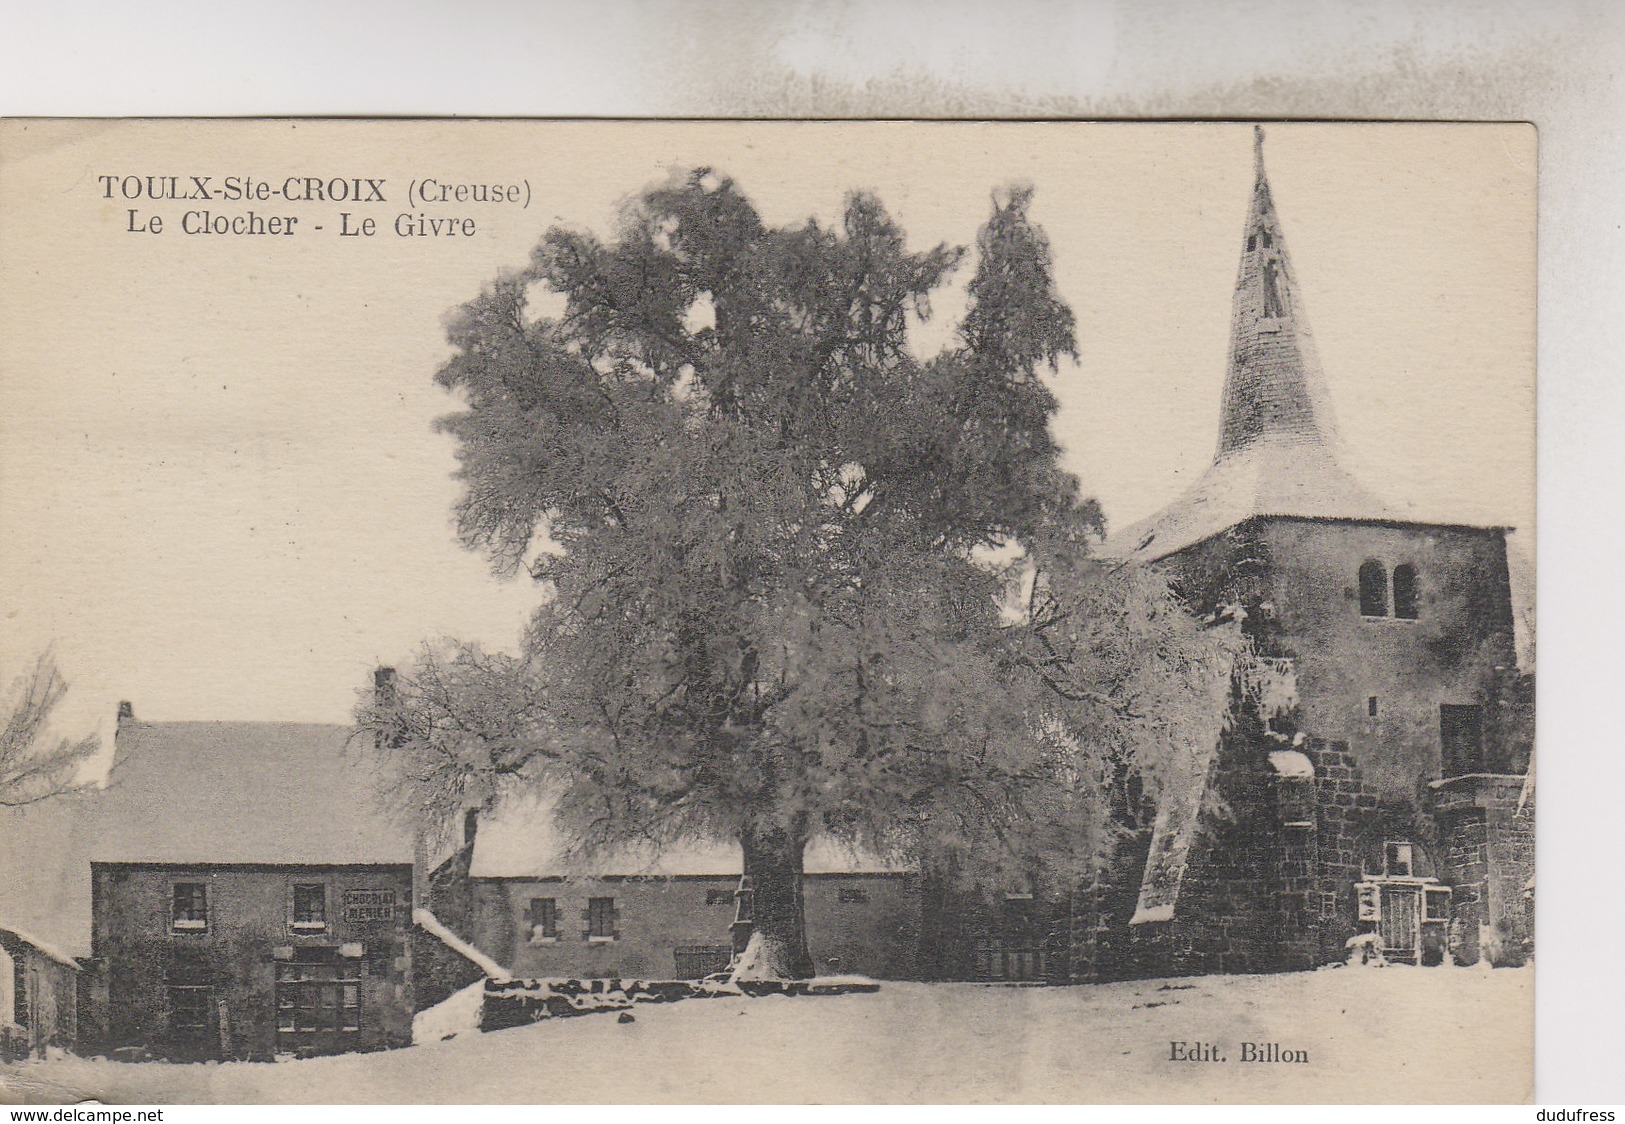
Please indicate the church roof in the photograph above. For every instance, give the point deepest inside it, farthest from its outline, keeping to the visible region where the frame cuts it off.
(1278, 442)
(240, 792)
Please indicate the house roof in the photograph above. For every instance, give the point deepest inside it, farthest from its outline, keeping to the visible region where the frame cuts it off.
(42, 947)
(522, 840)
(44, 870)
(1278, 449)
(241, 792)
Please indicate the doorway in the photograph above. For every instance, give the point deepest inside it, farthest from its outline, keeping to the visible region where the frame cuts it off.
(318, 1007)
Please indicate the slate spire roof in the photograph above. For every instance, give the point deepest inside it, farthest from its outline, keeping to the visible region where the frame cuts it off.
(1273, 388)
(1278, 440)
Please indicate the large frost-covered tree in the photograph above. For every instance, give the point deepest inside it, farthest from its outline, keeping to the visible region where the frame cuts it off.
(789, 563)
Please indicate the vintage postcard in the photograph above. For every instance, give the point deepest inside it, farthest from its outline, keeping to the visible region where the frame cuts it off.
(767, 611)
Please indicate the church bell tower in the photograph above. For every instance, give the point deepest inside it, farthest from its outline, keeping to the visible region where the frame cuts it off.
(1396, 762)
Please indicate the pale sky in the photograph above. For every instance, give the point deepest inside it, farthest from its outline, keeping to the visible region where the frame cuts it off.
(222, 496)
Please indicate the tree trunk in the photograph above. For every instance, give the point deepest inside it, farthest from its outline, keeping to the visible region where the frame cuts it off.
(773, 861)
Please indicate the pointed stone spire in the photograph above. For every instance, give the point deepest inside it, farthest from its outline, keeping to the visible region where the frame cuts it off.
(1278, 442)
(1273, 389)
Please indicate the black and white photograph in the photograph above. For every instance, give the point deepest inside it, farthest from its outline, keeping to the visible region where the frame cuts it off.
(537, 612)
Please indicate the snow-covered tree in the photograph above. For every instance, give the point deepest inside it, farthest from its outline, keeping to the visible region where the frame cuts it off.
(778, 549)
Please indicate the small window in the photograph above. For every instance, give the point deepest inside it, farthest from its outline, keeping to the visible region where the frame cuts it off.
(1397, 860)
(601, 919)
(1371, 706)
(719, 897)
(1021, 921)
(851, 895)
(190, 910)
(1295, 802)
(1405, 591)
(309, 906)
(1373, 589)
(1461, 739)
(544, 919)
(1438, 904)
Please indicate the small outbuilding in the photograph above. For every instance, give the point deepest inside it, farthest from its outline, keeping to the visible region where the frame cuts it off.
(39, 996)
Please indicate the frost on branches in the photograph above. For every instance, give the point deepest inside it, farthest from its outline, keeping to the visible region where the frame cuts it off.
(777, 550)
(32, 768)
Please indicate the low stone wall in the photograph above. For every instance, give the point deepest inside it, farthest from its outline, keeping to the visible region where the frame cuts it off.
(510, 1003)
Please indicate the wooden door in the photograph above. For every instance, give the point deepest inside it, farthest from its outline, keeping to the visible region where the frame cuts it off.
(193, 1034)
(318, 1007)
(1401, 924)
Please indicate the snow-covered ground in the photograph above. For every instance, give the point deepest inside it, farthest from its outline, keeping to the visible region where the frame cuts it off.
(1371, 1035)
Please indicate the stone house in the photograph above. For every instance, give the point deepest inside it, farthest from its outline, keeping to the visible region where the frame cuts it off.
(39, 996)
(510, 890)
(1381, 796)
(248, 899)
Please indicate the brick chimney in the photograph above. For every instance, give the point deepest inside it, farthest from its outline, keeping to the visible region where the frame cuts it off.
(126, 711)
(384, 691)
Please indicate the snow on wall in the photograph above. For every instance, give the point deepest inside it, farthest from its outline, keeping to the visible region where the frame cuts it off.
(459, 1013)
(429, 923)
(1291, 763)
(1171, 837)
(49, 950)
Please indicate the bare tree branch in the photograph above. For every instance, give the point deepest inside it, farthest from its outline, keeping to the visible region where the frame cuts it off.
(32, 770)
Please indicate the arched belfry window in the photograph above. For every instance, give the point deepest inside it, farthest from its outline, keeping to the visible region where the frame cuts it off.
(1373, 589)
(1405, 591)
